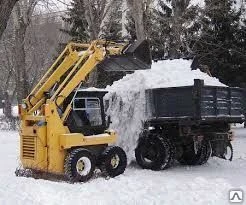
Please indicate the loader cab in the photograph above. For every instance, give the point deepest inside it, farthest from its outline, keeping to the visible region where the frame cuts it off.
(87, 115)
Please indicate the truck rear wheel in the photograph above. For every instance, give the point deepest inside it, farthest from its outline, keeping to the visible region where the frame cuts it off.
(190, 157)
(153, 152)
(113, 161)
(79, 165)
(229, 152)
(172, 152)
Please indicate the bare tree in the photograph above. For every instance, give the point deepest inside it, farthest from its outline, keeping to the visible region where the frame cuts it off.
(98, 13)
(6, 7)
(22, 14)
(179, 7)
(138, 9)
(43, 39)
(28, 47)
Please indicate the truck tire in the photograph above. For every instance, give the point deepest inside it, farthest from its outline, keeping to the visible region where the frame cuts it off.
(153, 152)
(172, 152)
(113, 161)
(189, 156)
(229, 152)
(79, 165)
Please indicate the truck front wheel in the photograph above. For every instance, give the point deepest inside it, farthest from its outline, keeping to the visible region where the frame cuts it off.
(153, 152)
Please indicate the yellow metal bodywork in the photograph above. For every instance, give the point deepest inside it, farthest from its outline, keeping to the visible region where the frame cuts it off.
(71, 67)
(72, 140)
(44, 140)
(44, 144)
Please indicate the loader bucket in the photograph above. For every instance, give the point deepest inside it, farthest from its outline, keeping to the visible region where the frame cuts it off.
(136, 56)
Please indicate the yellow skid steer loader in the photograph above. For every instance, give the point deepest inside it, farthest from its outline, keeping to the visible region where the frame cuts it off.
(64, 130)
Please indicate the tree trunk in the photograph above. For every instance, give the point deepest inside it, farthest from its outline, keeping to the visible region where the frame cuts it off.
(19, 53)
(6, 7)
(179, 8)
(7, 109)
(20, 64)
(137, 11)
(94, 29)
(139, 21)
(97, 13)
(91, 20)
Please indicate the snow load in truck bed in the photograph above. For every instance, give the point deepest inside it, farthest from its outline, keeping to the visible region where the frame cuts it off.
(125, 102)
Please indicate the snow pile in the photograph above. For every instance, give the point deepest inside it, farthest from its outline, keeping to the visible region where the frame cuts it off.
(126, 98)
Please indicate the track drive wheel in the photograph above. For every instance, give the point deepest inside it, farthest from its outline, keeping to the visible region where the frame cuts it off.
(113, 161)
(189, 156)
(79, 165)
(153, 152)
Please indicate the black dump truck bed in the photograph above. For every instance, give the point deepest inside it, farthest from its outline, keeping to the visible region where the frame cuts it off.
(198, 103)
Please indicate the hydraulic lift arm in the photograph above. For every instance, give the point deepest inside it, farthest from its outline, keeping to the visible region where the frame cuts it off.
(76, 62)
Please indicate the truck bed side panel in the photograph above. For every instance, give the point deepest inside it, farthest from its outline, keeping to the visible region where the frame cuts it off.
(198, 103)
(170, 102)
(221, 102)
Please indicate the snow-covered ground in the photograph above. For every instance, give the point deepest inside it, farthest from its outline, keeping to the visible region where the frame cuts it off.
(181, 185)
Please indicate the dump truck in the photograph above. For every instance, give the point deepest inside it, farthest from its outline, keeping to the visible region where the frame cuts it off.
(64, 130)
(188, 124)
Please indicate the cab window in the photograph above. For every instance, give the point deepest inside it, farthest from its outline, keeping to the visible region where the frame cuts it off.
(88, 110)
